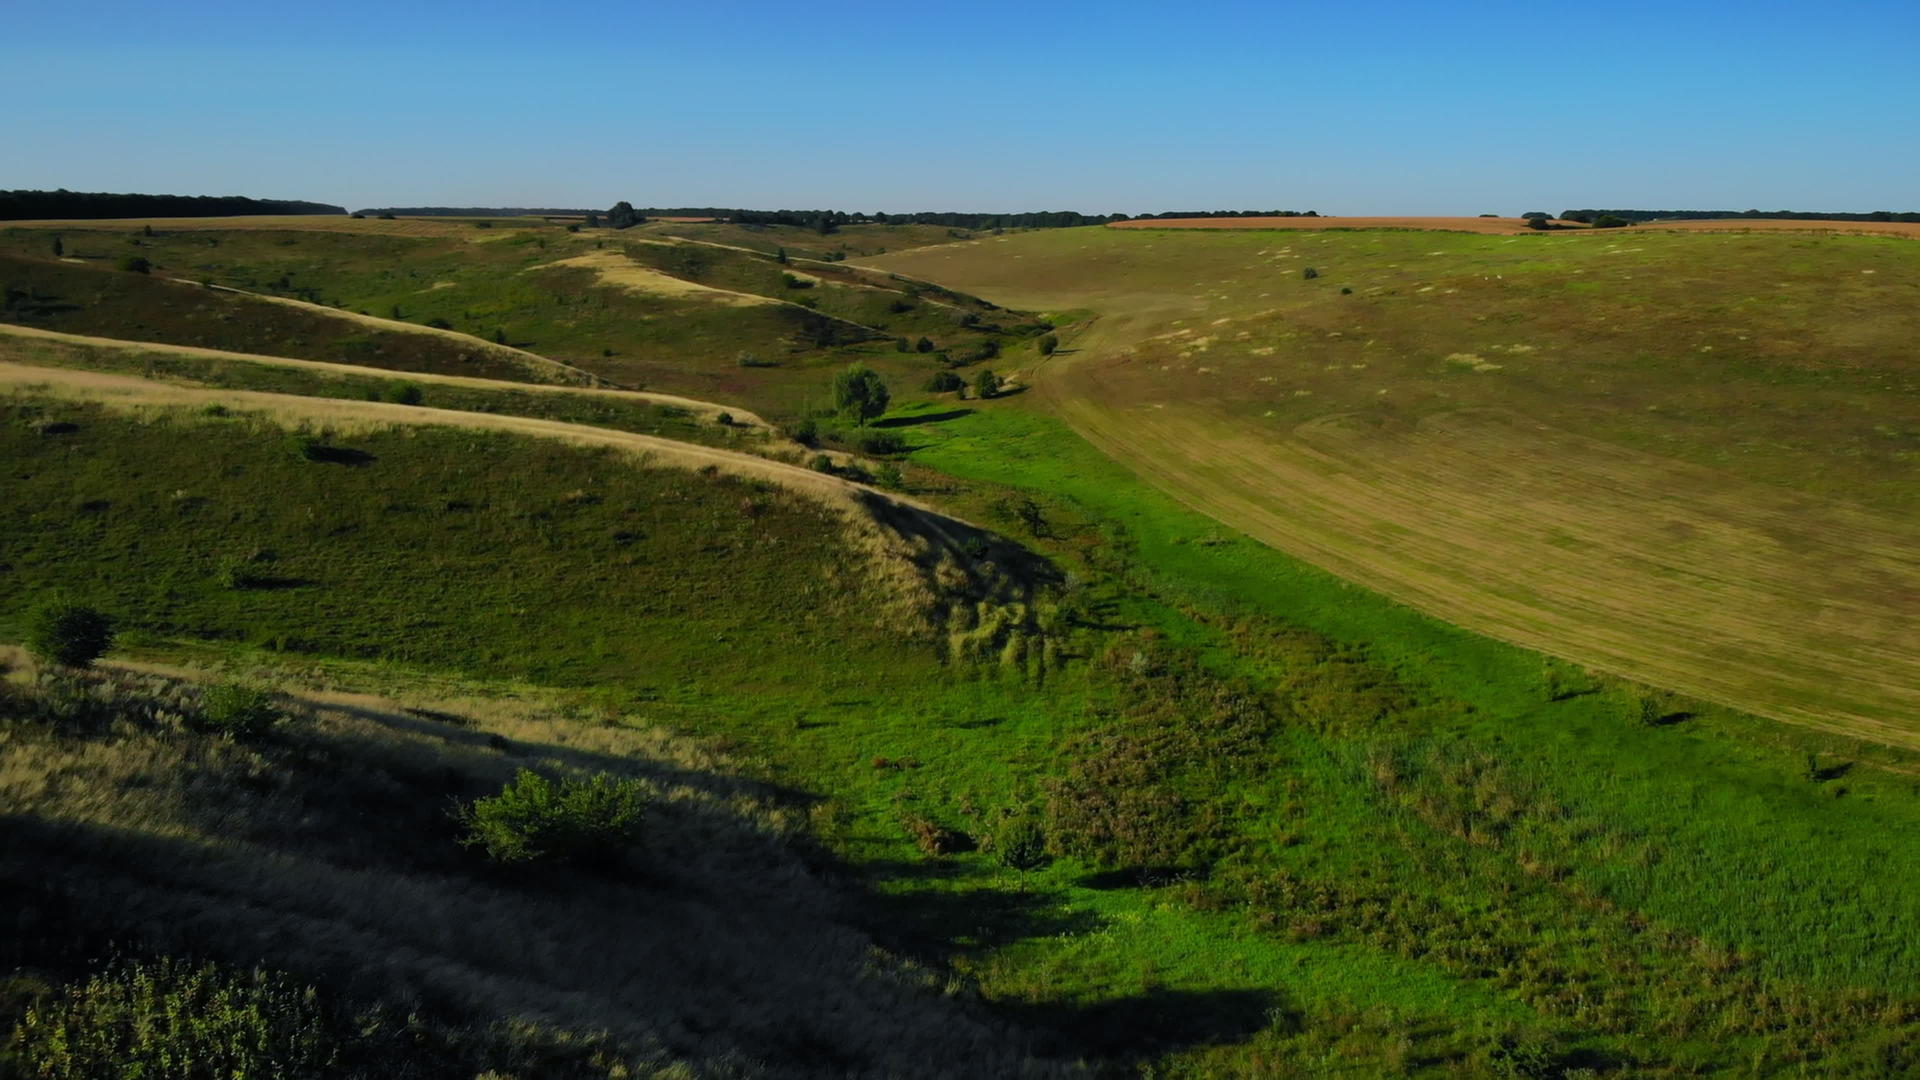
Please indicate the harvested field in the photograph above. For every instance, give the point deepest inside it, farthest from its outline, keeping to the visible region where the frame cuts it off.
(615, 269)
(1491, 226)
(1909, 229)
(1682, 458)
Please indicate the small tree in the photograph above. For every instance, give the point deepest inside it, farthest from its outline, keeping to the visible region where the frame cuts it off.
(923, 345)
(593, 220)
(1309, 273)
(59, 249)
(1048, 343)
(781, 256)
(499, 336)
(861, 393)
(1610, 221)
(137, 264)
(1537, 223)
(901, 344)
(986, 384)
(1539, 214)
(69, 634)
(406, 393)
(945, 382)
(585, 822)
(623, 215)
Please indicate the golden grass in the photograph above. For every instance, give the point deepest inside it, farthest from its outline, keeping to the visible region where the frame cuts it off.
(327, 850)
(621, 272)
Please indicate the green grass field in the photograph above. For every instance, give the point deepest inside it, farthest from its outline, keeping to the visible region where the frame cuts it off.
(1180, 804)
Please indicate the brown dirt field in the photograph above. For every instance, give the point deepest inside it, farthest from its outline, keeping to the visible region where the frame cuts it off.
(1493, 226)
(1857, 228)
(740, 415)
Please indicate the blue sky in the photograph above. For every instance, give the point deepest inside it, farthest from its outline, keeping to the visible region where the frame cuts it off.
(1348, 108)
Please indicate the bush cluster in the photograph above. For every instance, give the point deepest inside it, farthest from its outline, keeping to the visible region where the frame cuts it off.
(534, 820)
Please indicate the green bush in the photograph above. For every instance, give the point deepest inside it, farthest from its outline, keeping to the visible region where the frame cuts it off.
(165, 1020)
(1021, 843)
(584, 822)
(806, 432)
(1048, 343)
(923, 345)
(880, 442)
(406, 393)
(1309, 273)
(1610, 221)
(986, 384)
(944, 382)
(69, 634)
(136, 264)
(237, 711)
(860, 392)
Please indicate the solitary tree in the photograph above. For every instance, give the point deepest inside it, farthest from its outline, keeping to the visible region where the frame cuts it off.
(1048, 343)
(623, 215)
(1537, 223)
(923, 345)
(860, 393)
(137, 264)
(59, 249)
(781, 256)
(986, 384)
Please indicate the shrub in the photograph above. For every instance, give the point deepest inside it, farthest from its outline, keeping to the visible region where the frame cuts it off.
(166, 1019)
(1021, 843)
(881, 442)
(924, 345)
(749, 360)
(1048, 343)
(406, 393)
(900, 345)
(499, 337)
(69, 634)
(237, 711)
(1537, 223)
(821, 463)
(945, 382)
(238, 572)
(986, 384)
(533, 819)
(137, 264)
(725, 419)
(1309, 273)
(888, 475)
(1536, 215)
(384, 217)
(806, 432)
(965, 318)
(1610, 221)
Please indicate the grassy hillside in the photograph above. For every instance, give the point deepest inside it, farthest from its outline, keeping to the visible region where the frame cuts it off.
(103, 301)
(712, 322)
(1136, 795)
(1684, 457)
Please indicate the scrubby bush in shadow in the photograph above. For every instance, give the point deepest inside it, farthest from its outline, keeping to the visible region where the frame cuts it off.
(70, 635)
(945, 382)
(168, 1019)
(237, 711)
(534, 820)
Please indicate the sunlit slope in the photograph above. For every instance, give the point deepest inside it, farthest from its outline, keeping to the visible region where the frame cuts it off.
(1688, 458)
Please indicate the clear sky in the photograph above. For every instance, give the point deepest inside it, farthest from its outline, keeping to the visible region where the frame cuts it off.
(1367, 107)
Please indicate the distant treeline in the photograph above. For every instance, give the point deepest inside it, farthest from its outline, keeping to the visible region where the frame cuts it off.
(476, 211)
(1220, 214)
(1699, 215)
(27, 205)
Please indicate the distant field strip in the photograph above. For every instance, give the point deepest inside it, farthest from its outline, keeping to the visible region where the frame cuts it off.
(80, 341)
(1676, 575)
(1495, 226)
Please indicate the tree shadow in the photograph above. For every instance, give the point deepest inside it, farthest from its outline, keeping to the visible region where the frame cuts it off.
(1126, 1030)
(338, 455)
(1830, 772)
(1670, 719)
(922, 418)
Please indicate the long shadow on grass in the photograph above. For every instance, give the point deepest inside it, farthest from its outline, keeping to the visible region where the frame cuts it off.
(1127, 1030)
(923, 418)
